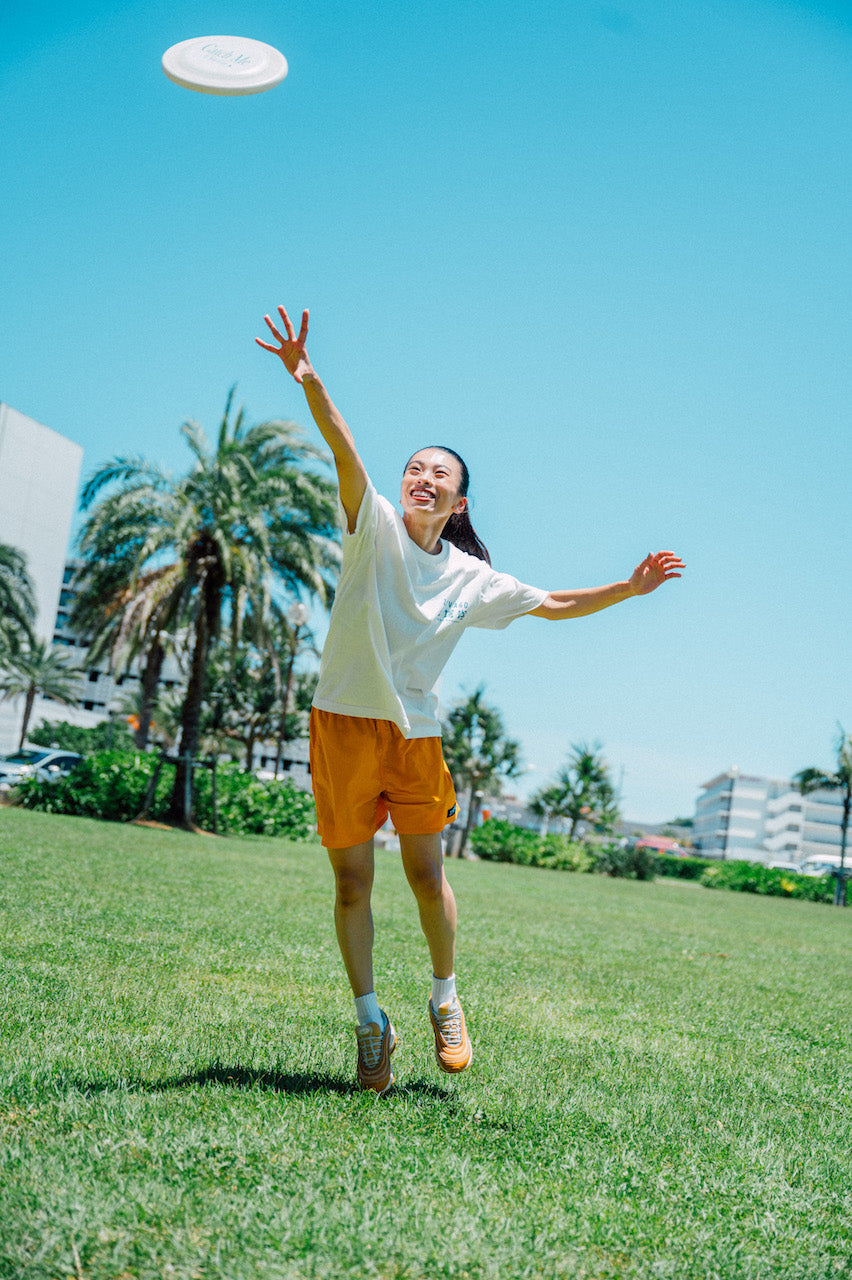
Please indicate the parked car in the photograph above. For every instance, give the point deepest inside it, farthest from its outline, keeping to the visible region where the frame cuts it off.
(38, 762)
(820, 864)
(785, 866)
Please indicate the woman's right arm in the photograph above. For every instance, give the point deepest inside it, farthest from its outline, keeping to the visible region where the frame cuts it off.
(352, 477)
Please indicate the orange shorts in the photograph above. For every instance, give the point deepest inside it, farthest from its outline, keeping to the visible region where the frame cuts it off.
(362, 770)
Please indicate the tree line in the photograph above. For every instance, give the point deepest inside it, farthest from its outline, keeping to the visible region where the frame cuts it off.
(208, 565)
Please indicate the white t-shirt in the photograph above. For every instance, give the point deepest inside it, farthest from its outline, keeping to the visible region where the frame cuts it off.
(398, 614)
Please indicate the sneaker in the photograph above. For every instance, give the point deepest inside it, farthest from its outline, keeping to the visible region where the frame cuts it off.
(452, 1043)
(375, 1047)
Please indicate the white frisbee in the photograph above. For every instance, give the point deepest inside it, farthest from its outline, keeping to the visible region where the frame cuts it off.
(229, 65)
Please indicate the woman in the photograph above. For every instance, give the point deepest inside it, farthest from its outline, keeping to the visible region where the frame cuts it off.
(409, 586)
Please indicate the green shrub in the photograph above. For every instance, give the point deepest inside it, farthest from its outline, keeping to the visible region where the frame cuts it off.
(499, 841)
(108, 784)
(106, 736)
(627, 861)
(754, 877)
(682, 868)
(113, 785)
(247, 806)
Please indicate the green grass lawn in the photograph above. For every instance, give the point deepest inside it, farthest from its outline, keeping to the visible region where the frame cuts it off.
(661, 1083)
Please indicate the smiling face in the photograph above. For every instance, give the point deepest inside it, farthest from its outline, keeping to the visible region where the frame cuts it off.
(431, 484)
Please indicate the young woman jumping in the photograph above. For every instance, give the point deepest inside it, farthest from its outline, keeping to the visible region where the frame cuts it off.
(409, 586)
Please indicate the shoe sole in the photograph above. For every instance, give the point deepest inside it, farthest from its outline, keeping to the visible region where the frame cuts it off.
(380, 1093)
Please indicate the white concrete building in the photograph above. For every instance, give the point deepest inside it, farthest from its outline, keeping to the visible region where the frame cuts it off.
(99, 693)
(800, 827)
(39, 478)
(765, 820)
(730, 817)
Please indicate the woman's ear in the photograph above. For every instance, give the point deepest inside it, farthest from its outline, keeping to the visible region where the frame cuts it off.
(460, 507)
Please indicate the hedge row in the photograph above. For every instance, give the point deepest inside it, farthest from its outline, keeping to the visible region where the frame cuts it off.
(754, 877)
(499, 841)
(113, 785)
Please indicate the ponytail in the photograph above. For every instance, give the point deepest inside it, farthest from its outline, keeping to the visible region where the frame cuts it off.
(462, 534)
(458, 530)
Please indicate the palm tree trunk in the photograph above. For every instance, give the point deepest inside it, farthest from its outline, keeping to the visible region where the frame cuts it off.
(180, 805)
(148, 692)
(285, 699)
(28, 711)
(472, 810)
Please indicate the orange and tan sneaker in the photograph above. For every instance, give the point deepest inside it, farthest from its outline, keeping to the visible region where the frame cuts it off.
(375, 1047)
(452, 1043)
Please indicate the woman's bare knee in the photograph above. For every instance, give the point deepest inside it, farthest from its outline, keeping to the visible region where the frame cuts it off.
(427, 883)
(353, 873)
(351, 888)
(424, 866)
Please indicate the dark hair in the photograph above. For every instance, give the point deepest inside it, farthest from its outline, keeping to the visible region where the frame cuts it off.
(458, 528)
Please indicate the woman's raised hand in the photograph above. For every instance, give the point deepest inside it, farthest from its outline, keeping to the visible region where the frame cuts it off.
(654, 571)
(291, 350)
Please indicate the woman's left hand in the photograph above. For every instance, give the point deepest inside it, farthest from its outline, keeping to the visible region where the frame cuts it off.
(654, 571)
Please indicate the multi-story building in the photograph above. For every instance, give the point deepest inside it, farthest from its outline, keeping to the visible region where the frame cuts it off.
(765, 819)
(800, 827)
(730, 816)
(100, 692)
(39, 476)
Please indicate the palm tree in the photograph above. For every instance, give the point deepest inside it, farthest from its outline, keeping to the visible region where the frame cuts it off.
(814, 779)
(581, 791)
(17, 601)
(250, 517)
(38, 670)
(478, 753)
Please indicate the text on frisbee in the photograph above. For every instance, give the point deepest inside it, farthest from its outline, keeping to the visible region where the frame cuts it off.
(226, 65)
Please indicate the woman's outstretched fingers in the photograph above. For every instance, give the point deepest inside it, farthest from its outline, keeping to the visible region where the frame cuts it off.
(290, 349)
(275, 334)
(654, 570)
(285, 319)
(288, 325)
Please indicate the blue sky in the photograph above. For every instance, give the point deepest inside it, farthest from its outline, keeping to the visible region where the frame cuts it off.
(601, 249)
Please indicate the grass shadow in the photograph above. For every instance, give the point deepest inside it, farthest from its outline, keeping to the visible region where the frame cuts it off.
(293, 1083)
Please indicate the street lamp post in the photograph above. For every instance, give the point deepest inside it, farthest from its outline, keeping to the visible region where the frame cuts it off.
(297, 616)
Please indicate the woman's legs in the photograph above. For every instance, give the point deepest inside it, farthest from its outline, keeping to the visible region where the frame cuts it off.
(353, 919)
(424, 867)
(423, 863)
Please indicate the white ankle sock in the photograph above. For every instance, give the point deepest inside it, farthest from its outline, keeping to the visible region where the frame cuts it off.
(443, 991)
(367, 1010)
